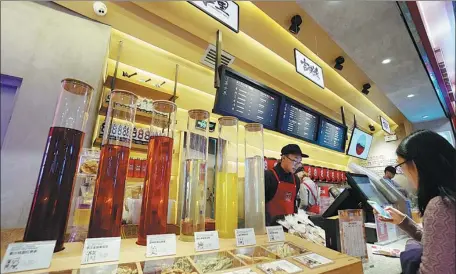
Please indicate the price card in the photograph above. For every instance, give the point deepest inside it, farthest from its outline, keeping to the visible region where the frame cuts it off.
(275, 233)
(161, 245)
(27, 256)
(208, 240)
(245, 237)
(98, 250)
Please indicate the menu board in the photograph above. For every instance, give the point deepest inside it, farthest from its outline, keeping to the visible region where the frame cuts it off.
(299, 122)
(331, 135)
(246, 99)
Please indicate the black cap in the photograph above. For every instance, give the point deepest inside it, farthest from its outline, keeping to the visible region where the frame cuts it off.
(293, 149)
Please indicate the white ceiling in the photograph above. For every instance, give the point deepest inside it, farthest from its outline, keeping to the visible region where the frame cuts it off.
(370, 32)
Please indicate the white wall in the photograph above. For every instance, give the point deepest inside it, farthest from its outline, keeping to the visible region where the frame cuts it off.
(439, 125)
(41, 45)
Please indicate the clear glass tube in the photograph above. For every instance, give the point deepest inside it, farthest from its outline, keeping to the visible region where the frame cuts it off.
(108, 198)
(51, 202)
(154, 207)
(254, 179)
(193, 201)
(226, 178)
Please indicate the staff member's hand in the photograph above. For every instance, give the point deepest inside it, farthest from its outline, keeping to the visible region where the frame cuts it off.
(397, 216)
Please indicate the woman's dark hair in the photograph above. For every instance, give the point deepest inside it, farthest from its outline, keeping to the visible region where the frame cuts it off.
(435, 160)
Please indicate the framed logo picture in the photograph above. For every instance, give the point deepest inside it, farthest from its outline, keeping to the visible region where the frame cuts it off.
(308, 68)
(226, 12)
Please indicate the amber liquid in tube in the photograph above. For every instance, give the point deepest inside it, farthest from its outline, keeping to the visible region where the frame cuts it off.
(107, 206)
(193, 211)
(154, 208)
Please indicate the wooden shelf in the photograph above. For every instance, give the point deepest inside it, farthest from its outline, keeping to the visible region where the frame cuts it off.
(137, 88)
(141, 117)
(134, 147)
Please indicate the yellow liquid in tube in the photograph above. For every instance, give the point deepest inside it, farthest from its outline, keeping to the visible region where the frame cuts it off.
(226, 204)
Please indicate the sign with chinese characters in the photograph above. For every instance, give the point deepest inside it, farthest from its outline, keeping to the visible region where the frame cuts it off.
(205, 241)
(245, 237)
(98, 250)
(27, 256)
(309, 69)
(275, 233)
(161, 245)
(226, 12)
(352, 233)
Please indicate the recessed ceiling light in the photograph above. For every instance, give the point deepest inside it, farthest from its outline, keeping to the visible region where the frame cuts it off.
(386, 61)
(425, 116)
(411, 95)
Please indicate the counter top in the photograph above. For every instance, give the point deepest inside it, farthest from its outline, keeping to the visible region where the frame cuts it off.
(70, 257)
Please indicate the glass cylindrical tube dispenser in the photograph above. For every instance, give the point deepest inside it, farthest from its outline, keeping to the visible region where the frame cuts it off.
(193, 201)
(154, 207)
(226, 178)
(254, 179)
(51, 202)
(108, 197)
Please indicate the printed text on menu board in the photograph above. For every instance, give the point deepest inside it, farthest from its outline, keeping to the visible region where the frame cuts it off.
(27, 256)
(244, 101)
(205, 241)
(98, 250)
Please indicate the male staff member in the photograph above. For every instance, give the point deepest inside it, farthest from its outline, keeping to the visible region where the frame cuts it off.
(282, 185)
(390, 172)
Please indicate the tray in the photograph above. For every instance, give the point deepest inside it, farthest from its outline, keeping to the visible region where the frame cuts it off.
(254, 255)
(129, 268)
(211, 262)
(167, 266)
(284, 250)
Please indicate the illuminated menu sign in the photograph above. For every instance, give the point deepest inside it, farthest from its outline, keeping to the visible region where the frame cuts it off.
(298, 122)
(331, 135)
(247, 100)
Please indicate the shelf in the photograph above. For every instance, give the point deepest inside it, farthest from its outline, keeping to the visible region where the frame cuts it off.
(134, 147)
(141, 117)
(137, 88)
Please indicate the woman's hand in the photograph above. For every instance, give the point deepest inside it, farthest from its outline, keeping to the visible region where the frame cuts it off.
(396, 216)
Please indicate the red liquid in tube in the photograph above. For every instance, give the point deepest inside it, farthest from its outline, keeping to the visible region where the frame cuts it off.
(154, 209)
(106, 217)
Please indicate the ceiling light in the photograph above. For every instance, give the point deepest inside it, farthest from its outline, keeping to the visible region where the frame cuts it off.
(425, 116)
(386, 61)
(410, 95)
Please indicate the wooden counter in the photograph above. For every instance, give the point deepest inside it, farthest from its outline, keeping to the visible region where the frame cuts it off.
(70, 257)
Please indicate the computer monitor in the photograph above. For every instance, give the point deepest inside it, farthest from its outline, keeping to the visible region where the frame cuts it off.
(365, 188)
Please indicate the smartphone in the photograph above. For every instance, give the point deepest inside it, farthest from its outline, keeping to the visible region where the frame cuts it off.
(385, 214)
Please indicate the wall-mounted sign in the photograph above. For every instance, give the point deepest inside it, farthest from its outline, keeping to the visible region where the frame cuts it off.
(385, 125)
(308, 69)
(226, 12)
(390, 138)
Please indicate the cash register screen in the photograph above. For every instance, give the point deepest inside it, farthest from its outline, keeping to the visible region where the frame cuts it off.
(369, 190)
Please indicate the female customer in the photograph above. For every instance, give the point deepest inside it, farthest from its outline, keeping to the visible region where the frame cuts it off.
(429, 163)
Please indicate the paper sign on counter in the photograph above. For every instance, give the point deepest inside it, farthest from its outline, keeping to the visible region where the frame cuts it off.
(161, 245)
(275, 233)
(27, 256)
(313, 260)
(205, 241)
(98, 250)
(245, 237)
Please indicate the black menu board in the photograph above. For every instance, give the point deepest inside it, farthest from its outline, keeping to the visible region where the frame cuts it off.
(246, 99)
(298, 121)
(332, 135)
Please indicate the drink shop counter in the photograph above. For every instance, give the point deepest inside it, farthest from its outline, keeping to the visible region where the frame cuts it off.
(133, 260)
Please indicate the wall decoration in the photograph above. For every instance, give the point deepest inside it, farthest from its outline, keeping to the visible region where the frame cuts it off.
(308, 68)
(226, 12)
